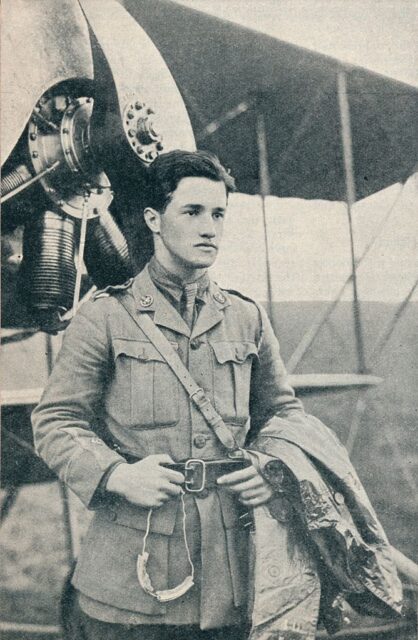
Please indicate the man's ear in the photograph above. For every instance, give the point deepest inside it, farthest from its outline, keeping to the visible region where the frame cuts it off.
(152, 219)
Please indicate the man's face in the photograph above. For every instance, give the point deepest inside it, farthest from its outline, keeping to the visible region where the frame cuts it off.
(191, 227)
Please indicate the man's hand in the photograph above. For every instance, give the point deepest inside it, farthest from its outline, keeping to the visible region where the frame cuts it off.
(146, 483)
(250, 486)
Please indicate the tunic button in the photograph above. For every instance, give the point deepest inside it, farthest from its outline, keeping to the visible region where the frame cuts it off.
(195, 344)
(339, 498)
(219, 297)
(112, 515)
(199, 441)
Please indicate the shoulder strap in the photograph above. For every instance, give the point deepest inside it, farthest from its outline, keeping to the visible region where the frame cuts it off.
(196, 393)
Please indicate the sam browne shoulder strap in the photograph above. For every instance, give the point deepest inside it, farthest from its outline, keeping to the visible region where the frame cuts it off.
(196, 393)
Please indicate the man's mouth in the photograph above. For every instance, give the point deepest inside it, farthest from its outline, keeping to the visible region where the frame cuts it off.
(207, 245)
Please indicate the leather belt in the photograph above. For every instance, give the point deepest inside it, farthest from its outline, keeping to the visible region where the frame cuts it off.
(202, 474)
(199, 474)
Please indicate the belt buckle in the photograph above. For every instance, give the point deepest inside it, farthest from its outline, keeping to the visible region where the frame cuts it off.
(192, 465)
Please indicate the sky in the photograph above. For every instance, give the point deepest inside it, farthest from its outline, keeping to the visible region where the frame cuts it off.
(381, 35)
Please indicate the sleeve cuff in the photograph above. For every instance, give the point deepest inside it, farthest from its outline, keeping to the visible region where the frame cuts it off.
(87, 472)
(101, 493)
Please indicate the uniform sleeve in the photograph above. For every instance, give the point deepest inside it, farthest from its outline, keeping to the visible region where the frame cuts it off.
(63, 421)
(273, 407)
(272, 399)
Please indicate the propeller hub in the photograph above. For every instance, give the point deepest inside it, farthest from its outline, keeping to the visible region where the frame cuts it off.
(141, 126)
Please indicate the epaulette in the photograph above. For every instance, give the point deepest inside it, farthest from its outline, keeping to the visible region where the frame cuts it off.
(111, 289)
(240, 295)
(257, 305)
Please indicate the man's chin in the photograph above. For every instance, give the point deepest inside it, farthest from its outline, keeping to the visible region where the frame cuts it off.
(203, 264)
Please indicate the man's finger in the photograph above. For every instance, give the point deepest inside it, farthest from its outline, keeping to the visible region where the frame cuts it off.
(173, 476)
(253, 502)
(162, 458)
(238, 476)
(172, 489)
(254, 493)
(252, 483)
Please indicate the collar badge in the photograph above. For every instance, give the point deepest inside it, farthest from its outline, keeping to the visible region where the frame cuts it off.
(146, 301)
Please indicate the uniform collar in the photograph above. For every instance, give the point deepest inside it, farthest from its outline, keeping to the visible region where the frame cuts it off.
(212, 312)
(172, 284)
(149, 299)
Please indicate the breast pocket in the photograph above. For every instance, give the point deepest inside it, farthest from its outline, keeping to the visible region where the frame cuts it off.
(144, 386)
(232, 362)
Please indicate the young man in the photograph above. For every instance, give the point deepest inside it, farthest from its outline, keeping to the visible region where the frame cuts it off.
(166, 557)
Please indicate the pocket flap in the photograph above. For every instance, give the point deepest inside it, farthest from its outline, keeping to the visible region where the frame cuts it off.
(233, 351)
(139, 349)
(162, 521)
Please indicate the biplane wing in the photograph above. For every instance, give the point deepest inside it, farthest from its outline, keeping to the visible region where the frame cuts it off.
(296, 89)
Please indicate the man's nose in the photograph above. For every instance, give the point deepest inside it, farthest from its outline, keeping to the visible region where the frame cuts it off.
(208, 229)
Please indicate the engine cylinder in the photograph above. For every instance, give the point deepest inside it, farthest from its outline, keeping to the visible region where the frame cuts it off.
(14, 179)
(48, 270)
(106, 255)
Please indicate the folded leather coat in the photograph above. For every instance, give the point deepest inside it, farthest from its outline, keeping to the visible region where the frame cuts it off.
(319, 542)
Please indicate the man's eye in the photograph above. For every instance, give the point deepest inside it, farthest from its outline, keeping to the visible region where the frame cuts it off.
(218, 215)
(191, 212)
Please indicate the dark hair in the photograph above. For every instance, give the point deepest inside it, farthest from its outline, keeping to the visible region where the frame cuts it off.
(169, 168)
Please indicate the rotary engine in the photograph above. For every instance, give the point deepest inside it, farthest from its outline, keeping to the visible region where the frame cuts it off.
(73, 180)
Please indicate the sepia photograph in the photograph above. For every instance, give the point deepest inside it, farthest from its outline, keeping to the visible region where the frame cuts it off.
(209, 320)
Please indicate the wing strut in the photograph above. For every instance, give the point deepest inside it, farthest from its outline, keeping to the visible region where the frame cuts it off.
(308, 338)
(346, 140)
(264, 187)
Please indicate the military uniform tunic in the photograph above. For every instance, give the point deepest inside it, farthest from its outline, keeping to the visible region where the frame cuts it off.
(110, 384)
